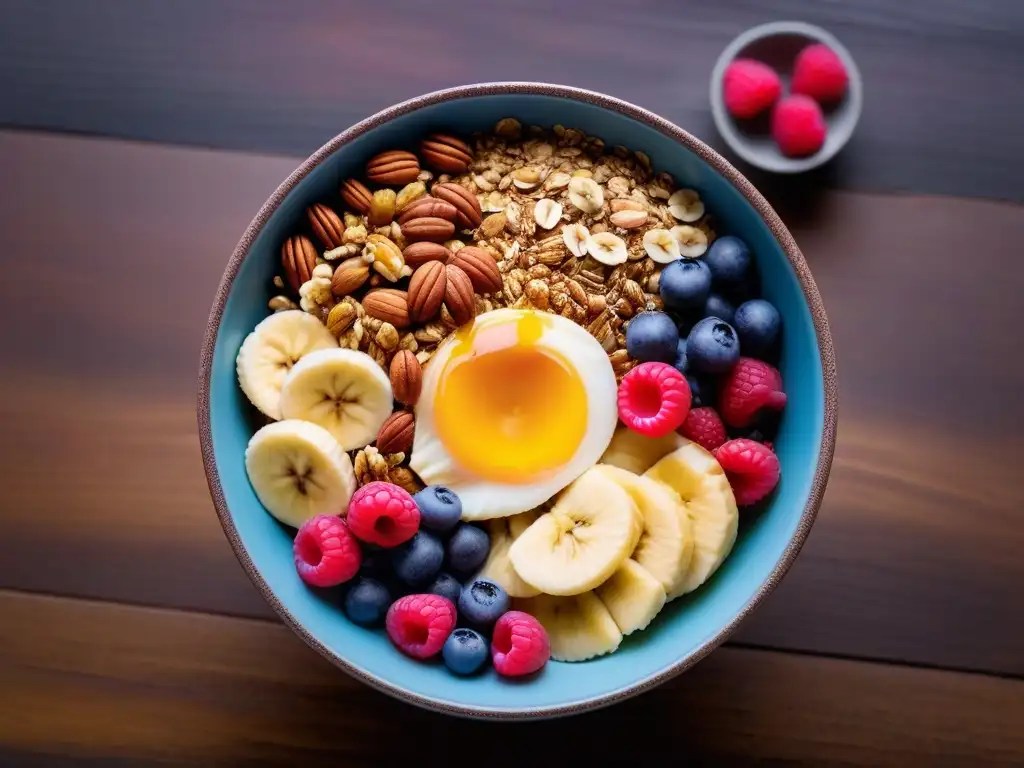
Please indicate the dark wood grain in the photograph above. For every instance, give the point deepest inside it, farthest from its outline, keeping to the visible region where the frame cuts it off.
(940, 75)
(111, 253)
(85, 679)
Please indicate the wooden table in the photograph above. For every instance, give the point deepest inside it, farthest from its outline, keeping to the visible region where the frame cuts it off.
(128, 632)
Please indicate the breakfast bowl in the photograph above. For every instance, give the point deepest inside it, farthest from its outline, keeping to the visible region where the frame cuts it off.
(770, 533)
(778, 45)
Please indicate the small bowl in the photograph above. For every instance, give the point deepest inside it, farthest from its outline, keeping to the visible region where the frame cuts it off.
(777, 45)
(687, 629)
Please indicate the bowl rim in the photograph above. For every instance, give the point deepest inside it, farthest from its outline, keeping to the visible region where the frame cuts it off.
(719, 164)
(726, 125)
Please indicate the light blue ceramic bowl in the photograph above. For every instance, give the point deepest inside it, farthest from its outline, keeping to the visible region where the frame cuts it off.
(689, 628)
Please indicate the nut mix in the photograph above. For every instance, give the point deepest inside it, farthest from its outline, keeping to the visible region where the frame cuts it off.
(516, 217)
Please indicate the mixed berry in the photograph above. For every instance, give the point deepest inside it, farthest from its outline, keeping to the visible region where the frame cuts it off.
(706, 367)
(395, 556)
(751, 89)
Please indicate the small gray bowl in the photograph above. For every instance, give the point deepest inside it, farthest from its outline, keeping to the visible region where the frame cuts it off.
(777, 45)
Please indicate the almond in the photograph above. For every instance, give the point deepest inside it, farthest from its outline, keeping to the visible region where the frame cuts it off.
(406, 377)
(446, 153)
(396, 434)
(626, 204)
(426, 292)
(481, 268)
(428, 206)
(628, 219)
(389, 305)
(356, 195)
(418, 254)
(298, 258)
(327, 225)
(349, 276)
(458, 294)
(395, 167)
(428, 228)
(465, 202)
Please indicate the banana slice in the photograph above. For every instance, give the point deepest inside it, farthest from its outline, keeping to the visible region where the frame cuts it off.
(632, 596)
(697, 477)
(579, 627)
(666, 544)
(636, 453)
(498, 568)
(299, 471)
(592, 528)
(270, 350)
(342, 390)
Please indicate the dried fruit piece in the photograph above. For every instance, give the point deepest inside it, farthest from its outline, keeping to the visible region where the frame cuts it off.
(692, 241)
(409, 194)
(298, 258)
(481, 268)
(526, 179)
(686, 205)
(458, 294)
(547, 213)
(395, 167)
(356, 195)
(426, 291)
(418, 254)
(586, 194)
(382, 207)
(575, 237)
(349, 276)
(661, 245)
(607, 248)
(447, 154)
(468, 207)
(341, 318)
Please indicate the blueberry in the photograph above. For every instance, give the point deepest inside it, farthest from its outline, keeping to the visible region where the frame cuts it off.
(680, 362)
(757, 324)
(419, 559)
(685, 284)
(440, 508)
(465, 651)
(446, 585)
(652, 336)
(468, 548)
(728, 259)
(367, 602)
(712, 346)
(482, 603)
(376, 562)
(696, 393)
(716, 306)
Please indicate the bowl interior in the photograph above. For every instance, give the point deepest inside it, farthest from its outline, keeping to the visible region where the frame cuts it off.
(777, 45)
(687, 625)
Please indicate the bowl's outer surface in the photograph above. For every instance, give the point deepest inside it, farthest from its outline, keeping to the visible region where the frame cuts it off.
(777, 44)
(689, 627)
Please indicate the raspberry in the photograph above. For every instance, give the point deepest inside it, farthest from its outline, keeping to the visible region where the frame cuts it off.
(749, 87)
(752, 468)
(798, 126)
(520, 644)
(704, 426)
(818, 72)
(653, 399)
(326, 552)
(383, 514)
(750, 386)
(419, 624)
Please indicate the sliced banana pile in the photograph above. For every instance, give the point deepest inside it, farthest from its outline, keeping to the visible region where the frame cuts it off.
(653, 521)
(324, 401)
